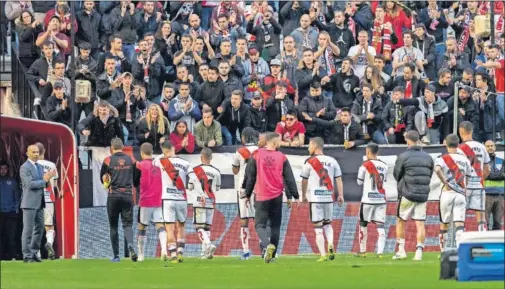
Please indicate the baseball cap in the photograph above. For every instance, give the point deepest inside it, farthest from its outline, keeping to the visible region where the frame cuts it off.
(253, 51)
(256, 94)
(275, 62)
(58, 84)
(430, 88)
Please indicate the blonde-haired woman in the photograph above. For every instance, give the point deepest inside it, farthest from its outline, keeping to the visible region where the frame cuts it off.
(153, 128)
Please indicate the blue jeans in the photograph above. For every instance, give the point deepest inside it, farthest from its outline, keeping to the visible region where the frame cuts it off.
(129, 52)
(126, 133)
(500, 103)
(439, 54)
(378, 137)
(227, 138)
(206, 17)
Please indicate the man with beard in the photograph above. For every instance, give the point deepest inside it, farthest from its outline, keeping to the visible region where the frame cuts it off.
(167, 95)
(225, 54)
(396, 118)
(494, 188)
(101, 126)
(110, 79)
(495, 66)
(194, 26)
(289, 62)
(181, 13)
(436, 23)
(148, 69)
(488, 111)
(234, 117)
(149, 18)
(88, 21)
(305, 36)
(183, 75)
(278, 105)
(383, 35)
(230, 81)
(291, 13)
(316, 106)
(467, 77)
(53, 34)
(407, 54)
(85, 69)
(188, 56)
(344, 85)
(368, 109)
(269, 82)
(426, 44)
(267, 34)
(116, 52)
(443, 86)
(226, 31)
(467, 109)
(58, 106)
(125, 24)
(255, 68)
(362, 54)
(453, 59)
(309, 70)
(184, 108)
(257, 113)
(413, 86)
(211, 93)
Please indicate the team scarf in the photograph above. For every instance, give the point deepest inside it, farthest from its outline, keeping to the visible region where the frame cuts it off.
(399, 124)
(467, 150)
(204, 181)
(366, 108)
(173, 174)
(499, 29)
(351, 24)
(430, 119)
(322, 173)
(378, 181)
(408, 89)
(253, 86)
(465, 36)
(381, 40)
(434, 21)
(329, 60)
(457, 175)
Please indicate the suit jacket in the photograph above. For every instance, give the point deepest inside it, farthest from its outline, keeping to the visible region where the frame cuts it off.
(33, 186)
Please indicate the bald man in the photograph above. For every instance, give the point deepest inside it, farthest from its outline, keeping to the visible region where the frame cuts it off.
(494, 184)
(33, 180)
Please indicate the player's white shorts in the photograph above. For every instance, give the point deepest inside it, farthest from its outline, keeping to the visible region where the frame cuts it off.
(372, 213)
(149, 215)
(203, 216)
(175, 211)
(246, 210)
(476, 199)
(49, 214)
(320, 212)
(452, 207)
(408, 209)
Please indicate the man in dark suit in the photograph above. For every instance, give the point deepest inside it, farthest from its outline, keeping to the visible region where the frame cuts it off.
(33, 181)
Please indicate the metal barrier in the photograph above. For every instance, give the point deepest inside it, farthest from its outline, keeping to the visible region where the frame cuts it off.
(24, 92)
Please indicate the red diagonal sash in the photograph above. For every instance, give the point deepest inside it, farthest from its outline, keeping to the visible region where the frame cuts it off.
(459, 177)
(322, 173)
(245, 153)
(372, 170)
(204, 180)
(173, 174)
(470, 154)
(50, 189)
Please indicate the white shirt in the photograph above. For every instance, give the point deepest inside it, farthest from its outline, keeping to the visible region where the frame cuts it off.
(463, 164)
(362, 62)
(371, 194)
(240, 162)
(170, 190)
(214, 177)
(481, 157)
(47, 165)
(317, 192)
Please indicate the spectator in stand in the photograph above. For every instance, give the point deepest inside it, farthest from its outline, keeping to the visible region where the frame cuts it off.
(182, 12)
(89, 22)
(495, 66)
(361, 14)
(194, 26)
(454, 60)
(167, 46)
(101, 126)
(148, 69)
(383, 37)
(234, 117)
(41, 7)
(203, 72)
(126, 24)
(27, 29)
(110, 79)
(467, 77)
(290, 130)
(344, 84)
(188, 56)
(227, 30)
(153, 127)
(267, 34)
(487, 115)
(309, 70)
(42, 67)
(203, 48)
(207, 7)
(116, 52)
(242, 51)
(233, 9)
(495, 183)
(372, 77)
(269, 82)
(52, 34)
(225, 54)
(85, 68)
(325, 56)
(413, 86)
(230, 81)
(396, 118)
(289, 63)
(14, 9)
(105, 9)
(62, 11)
(59, 105)
(184, 107)
(184, 76)
(467, 108)
(58, 74)
(208, 131)
(127, 99)
(399, 19)
(463, 23)
(316, 106)
(212, 92)
(368, 109)
(380, 63)
(426, 44)
(257, 113)
(407, 54)
(436, 23)
(362, 54)
(10, 199)
(444, 87)
(278, 105)
(291, 13)
(148, 18)
(255, 68)
(305, 36)
(182, 139)
(166, 96)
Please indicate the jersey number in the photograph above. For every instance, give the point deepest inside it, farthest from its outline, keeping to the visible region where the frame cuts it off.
(374, 185)
(324, 176)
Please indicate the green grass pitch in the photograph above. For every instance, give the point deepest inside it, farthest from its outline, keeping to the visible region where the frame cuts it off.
(344, 272)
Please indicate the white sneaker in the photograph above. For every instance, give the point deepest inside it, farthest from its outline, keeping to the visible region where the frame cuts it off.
(425, 139)
(400, 256)
(211, 250)
(418, 256)
(140, 258)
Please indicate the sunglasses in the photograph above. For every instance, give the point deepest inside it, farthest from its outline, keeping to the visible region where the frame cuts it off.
(290, 118)
(58, 88)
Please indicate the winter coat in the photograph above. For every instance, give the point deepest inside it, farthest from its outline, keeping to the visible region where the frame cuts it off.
(89, 29)
(154, 136)
(118, 100)
(407, 113)
(103, 90)
(424, 18)
(304, 78)
(156, 71)
(235, 119)
(427, 47)
(312, 105)
(343, 38)
(258, 119)
(471, 112)
(363, 18)
(126, 26)
(101, 134)
(261, 69)
(56, 114)
(211, 94)
(334, 133)
(291, 17)
(274, 110)
(274, 31)
(413, 171)
(487, 116)
(205, 134)
(376, 108)
(417, 85)
(175, 113)
(298, 36)
(461, 63)
(27, 37)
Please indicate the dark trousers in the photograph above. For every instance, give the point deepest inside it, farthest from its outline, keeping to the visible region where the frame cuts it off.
(8, 232)
(33, 229)
(120, 204)
(269, 212)
(494, 207)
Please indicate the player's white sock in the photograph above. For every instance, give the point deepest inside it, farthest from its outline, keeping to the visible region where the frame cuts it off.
(162, 236)
(328, 232)
(180, 245)
(141, 241)
(363, 235)
(482, 226)
(401, 245)
(50, 236)
(420, 247)
(208, 235)
(204, 238)
(459, 232)
(244, 238)
(381, 240)
(320, 241)
(172, 247)
(442, 238)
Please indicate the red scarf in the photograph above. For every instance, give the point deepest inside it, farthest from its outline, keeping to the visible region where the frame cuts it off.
(499, 27)
(204, 180)
(408, 90)
(459, 177)
(372, 170)
(325, 179)
(467, 150)
(465, 36)
(173, 174)
(382, 36)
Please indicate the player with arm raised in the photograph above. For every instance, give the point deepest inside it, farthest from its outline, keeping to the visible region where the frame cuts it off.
(479, 159)
(453, 170)
(50, 198)
(319, 175)
(148, 177)
(175, 173)
(371, 175)
(246, 210)
(208, 182)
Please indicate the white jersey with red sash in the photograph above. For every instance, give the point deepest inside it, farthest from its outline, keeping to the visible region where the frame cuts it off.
(240, 159)
(209, 182)
(478, 156)
(456, 168)
(49, 195)
(372, 174)
(174, 177)
(321, 171)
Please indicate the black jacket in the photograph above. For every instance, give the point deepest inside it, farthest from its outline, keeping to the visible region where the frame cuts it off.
(335, 132)
(413, 171)
(311, 106)
(89, 75)
(103, 88)
(120, 167)
(407, 114)
(427, 47)
(274, 110)
(89, 28)
(126, 26)
(343, 38)
(27, 37)
(154, 135)
(304, 78)
(237, 69)
(56, 114)
(118, 100)
(125, 63)
(342, 86)
(231, 84)
(376, 108)
(471, 111)
(258, 119)
(417, 85)
(274, 30)
(156, 71)
(101, 134)
(211, 94)
(38, 70)
(234, 119)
